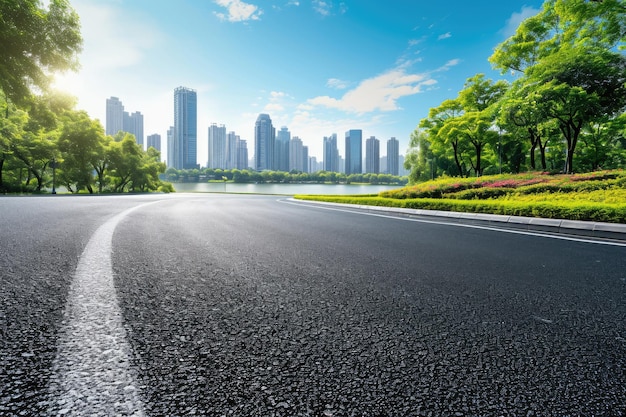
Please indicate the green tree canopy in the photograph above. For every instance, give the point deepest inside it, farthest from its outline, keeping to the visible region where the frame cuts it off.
(34, 42)
(562, 23)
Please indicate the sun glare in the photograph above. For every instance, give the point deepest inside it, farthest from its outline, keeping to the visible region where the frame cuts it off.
(68, 82)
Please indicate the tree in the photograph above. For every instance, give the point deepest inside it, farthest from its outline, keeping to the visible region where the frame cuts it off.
(146, 176)
(34, 42)
(604, 145)
(125, 158)
(444, 139)
(36, 148)
(11, 129)
(520, 113)
(597, 24)
(578, 86)
(80, 144)
(419, 158)
(466, 123)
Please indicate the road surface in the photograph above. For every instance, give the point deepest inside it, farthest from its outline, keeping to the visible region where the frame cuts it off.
(243, 305)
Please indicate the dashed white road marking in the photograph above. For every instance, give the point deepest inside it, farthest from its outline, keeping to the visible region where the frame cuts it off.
(92, 373)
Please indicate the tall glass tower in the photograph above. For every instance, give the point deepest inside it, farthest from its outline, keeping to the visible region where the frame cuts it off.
(393, 156)
(264, 138)
(185, 129)
(281, 150)
(372, 155)
(331, 153)
(354, 153)
(114, 116)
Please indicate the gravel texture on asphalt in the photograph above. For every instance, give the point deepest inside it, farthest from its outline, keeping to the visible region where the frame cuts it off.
(234, 316)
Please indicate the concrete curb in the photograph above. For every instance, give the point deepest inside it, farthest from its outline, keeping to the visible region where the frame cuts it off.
(569, 227)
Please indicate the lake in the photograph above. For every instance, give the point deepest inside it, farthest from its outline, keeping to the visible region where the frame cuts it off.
(285, 189)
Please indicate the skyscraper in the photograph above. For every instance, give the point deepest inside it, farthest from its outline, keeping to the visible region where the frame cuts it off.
(393, 154)
(354, 154)
(133, 123)
(231, 150)
(217, 147)
(281, 150)
(242, 154)
(119, 120)
(172, 149)
(372, 155)
(114, 115)
(296, 163)
(154, 141)
(185, 128)
(264, 138)
(331, 153)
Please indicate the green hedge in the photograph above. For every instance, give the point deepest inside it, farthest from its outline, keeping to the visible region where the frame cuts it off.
(571, 211)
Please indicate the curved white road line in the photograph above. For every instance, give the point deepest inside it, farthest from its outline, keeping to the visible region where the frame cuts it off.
(92, 373)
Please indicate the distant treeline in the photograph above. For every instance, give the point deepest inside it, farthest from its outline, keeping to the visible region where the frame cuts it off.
(250, 176)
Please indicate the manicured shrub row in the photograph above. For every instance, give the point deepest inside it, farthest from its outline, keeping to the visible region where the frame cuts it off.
(575, 210)
(529, 183)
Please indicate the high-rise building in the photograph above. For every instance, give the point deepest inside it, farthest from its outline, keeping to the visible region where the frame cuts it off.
(242, 154)
(393, 156)
(315, 166)
(264, 138)
(372, 155)
(119, 120)
(154, 141)
(217, 147)
(296, 162)
(114, 116)
(133, 123)
(185, 128)
(354, 153)
(305, 159)
(231, 150)
(172, 149)
(281, 150)
(331, 153)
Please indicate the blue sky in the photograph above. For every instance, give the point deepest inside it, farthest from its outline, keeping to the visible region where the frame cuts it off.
(317, 67)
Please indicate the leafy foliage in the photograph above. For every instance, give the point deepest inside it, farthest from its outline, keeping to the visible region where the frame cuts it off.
(35, 41)
(567, 102)
(49, 137)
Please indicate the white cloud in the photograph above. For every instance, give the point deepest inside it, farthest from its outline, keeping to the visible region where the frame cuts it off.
(322, 7)
(451, 63)
(337, 84)
(277, 101)
(326, 7)
(238, 11)
(444, 36)
(380, 93)
(516, 18)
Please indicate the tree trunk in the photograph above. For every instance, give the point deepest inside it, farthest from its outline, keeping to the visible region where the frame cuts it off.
(533, 146)
(455, 147)
(1, 167)
(542, 152)
(479, 150)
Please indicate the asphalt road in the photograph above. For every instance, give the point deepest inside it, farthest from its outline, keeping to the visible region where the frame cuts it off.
(240, 305)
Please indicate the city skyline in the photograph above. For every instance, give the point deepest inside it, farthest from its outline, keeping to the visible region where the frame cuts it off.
(316, 67)
(229, 151)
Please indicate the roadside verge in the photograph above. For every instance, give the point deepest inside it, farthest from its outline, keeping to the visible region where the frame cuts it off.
(600, 230)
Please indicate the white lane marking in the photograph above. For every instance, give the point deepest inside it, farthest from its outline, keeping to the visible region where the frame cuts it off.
(471, 226)
(92, 374)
